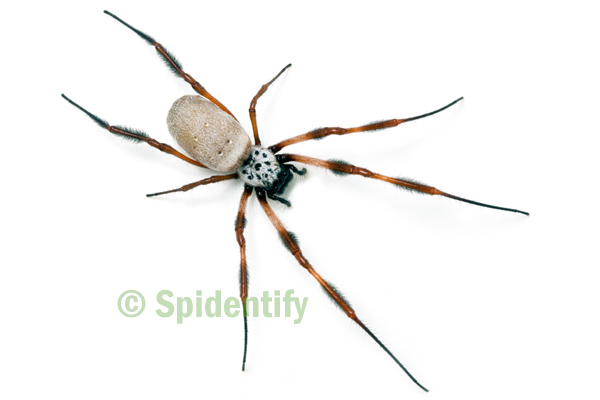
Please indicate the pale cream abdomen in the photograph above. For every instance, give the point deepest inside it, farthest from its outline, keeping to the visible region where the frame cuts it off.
(208, 134)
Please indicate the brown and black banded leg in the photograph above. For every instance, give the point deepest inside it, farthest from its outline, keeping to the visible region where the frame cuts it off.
(174, 64)
(189, 186)
(322, 132)
(252, 108)
(135, 136)
(291, 244)
(240, 224)
(343, 168)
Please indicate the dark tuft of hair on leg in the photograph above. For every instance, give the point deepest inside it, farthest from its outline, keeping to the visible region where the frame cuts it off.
(294, 239)
(134, 131)
(375, 123)
(411, 181)
(339, 173)
(318, 137)
(175, 60)
(150, 40)
(337, 291)
(244, 222)
(247, 275)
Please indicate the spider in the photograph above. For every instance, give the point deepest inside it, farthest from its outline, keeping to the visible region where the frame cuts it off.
(215, 140)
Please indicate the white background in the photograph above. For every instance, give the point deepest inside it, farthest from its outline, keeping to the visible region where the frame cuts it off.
(477, 303)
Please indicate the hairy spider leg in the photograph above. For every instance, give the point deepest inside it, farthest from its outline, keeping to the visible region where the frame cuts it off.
(174, 64)
(323, 132)
(135, 135)
(240, 224)
(293, 247)
(252, 109)
(205, 181)
(343, 168)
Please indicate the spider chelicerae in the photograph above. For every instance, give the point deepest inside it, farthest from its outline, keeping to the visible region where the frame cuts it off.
(215, 140)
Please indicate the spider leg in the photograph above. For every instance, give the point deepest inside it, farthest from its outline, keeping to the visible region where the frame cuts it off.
(323, 132)
(252, 109)
(292, 246)
(189, 186)
(343, 168)
(240, 224)
(174, 64)
(135, 135)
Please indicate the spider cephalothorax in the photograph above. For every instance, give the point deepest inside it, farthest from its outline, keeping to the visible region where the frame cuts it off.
(263, 171)
(215, 140)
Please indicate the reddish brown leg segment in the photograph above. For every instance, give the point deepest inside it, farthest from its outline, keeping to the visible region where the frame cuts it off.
(252, 109)
(136, 136)
(174, 64)
(344, 168)
(295, 250)
(240, 224)
(157, 145)
(322, 132)
(189, 186)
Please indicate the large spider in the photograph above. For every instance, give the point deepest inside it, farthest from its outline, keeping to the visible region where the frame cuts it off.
(214, 139)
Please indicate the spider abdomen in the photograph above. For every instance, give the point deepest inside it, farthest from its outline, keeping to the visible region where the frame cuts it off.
(208, 134)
